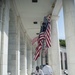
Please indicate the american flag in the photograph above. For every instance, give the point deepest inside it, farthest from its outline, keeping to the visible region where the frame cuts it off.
(40, 44)
(34, 40)
(47, 35)
(48, 31)
(44, 35)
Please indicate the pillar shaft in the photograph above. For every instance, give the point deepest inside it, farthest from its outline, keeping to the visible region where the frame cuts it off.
(4, 39)
(23, 58)
(18, 49)
(25, 54)
(43, 59)
(49, 57)
(69, 21)
(55, 53)
(29, 61)
(39, 61)
(14, 45)
(1, 15)
(34, 63)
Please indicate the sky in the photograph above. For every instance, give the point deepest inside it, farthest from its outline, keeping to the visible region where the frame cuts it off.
(61, 25)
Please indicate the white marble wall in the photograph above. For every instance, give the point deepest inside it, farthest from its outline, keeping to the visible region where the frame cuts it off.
(69, 24)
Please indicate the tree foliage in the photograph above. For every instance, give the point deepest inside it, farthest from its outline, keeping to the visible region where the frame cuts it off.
(62, 43)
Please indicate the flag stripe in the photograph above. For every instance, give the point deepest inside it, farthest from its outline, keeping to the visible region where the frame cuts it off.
(37, 54)
(34, 40)
(48, 36)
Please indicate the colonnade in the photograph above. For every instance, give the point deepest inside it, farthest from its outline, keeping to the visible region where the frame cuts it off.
(16, 50)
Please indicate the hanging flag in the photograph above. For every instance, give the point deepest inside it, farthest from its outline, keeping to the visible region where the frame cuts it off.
(48, 35)
(34, 40)
(47, 31)
(40, 43)
(45, 34)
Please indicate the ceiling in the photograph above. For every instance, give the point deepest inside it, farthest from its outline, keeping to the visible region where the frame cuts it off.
(30, 12)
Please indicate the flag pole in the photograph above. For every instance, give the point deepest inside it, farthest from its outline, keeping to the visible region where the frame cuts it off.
(42, 54)
(43, 58)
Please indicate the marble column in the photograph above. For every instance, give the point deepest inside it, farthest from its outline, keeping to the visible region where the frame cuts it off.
(18, 48)
(34, 63)
(39, 61)
(4, 36)
(69, 23)
(49, 57)
(29, 60)
(1, 15)
(23, 57)
(55, 52)
(25, 53)
(14, 45)
(1, 27)
(43, 59)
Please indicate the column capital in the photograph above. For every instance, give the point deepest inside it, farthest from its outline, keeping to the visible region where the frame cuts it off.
(54, 17)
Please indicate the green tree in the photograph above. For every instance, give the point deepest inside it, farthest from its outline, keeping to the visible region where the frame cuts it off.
(62, 43)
